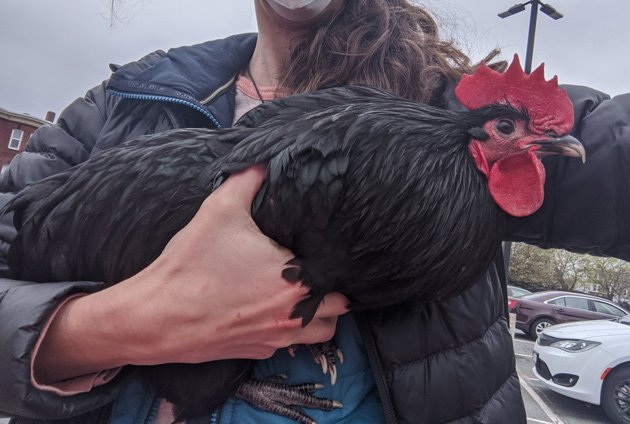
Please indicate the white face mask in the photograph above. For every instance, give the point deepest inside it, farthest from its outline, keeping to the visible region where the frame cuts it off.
(299, 10)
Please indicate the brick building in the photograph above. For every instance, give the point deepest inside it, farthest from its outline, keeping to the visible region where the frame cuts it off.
(15, 130)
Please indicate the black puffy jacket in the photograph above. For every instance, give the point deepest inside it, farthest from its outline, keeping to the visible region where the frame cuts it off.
(450, 362)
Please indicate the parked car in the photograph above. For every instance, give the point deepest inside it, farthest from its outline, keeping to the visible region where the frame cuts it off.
(514, 291)
(588, 361)
(537, 311)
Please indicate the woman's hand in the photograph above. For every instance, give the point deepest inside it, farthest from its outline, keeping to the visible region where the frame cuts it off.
(215, 292)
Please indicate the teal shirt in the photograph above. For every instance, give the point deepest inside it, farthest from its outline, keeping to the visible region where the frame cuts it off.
(355, 388)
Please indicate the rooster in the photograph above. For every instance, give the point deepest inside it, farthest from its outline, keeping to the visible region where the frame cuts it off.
(382, 199)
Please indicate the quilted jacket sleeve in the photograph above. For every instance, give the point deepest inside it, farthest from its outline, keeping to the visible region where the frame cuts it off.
(24, 306)
(587, 206)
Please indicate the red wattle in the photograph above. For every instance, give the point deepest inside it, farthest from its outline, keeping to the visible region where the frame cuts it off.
(516, 183)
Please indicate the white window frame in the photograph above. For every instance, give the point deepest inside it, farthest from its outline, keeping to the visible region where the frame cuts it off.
(15, 137)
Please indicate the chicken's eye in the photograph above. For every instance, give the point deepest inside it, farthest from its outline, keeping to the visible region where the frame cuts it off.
(505, 126)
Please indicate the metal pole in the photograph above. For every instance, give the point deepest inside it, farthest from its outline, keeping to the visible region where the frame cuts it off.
(532, 34)
(507, 254)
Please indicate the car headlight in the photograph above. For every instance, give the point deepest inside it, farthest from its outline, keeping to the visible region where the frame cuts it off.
(575, 345)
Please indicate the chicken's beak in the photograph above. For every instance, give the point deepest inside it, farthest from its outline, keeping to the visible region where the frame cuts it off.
(566, 145)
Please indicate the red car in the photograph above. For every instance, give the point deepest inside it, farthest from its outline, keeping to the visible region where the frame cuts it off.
(537, 311)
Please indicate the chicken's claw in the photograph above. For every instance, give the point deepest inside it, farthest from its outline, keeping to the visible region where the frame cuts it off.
(326, 354)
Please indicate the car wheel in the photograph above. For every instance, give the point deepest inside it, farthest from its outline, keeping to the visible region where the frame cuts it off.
(538, 326)
(616, 396)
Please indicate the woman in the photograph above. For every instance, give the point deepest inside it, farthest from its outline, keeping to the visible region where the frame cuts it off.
(414, 364)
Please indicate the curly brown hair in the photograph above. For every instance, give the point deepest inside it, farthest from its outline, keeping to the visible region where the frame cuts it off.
(390, 44)
(394, 45)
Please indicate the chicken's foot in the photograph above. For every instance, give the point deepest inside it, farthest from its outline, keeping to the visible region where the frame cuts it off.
(282, 399)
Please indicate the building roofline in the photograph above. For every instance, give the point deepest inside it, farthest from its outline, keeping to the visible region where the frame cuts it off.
(22, 118)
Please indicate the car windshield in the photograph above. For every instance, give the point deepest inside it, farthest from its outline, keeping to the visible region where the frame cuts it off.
(517, 291)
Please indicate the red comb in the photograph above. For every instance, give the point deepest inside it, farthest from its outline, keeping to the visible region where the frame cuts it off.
(548, 106)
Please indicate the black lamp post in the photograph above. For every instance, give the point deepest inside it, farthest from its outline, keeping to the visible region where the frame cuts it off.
(544, 8)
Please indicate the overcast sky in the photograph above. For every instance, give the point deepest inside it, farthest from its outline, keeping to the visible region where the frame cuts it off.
(54, 50)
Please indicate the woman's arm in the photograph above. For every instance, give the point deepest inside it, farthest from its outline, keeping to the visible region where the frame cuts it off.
(587, 206)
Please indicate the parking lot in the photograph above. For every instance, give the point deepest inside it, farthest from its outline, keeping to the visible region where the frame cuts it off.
(543, 405)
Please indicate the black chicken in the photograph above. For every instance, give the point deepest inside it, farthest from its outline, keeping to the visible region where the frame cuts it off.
(379, 198)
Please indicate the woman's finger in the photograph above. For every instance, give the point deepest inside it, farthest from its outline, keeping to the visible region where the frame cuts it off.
(319, 330)
(243, 186)
(333, 305)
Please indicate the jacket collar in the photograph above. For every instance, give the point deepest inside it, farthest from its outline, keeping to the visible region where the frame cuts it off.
(200, 76)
